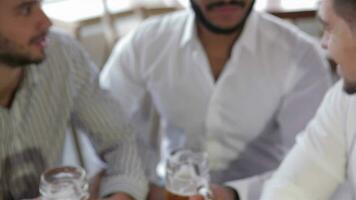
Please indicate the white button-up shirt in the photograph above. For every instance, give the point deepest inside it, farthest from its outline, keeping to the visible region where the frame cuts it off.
(324, 158)
(270, 87)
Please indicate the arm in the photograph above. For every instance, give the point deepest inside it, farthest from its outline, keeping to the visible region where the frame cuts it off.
(104, 120)
(120, 196)
(122, 76)
(313, 168)
(304, 89)
(220, 193)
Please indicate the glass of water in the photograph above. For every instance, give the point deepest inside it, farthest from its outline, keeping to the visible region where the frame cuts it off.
(64, 183)
(187, 174)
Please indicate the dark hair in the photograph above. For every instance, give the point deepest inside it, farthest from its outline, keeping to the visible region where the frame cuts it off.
(347, 10)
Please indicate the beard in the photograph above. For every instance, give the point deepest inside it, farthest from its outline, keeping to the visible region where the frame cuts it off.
(202, 19)
(17, 60)
(349, 88)
(13, 55)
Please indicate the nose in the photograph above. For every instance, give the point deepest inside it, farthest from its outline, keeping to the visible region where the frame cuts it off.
(44, 23)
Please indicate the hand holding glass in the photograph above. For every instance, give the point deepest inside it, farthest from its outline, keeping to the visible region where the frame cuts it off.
(187, 174)
(64, 183)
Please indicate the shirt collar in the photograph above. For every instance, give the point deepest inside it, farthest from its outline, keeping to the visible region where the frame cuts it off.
(247, 38)
(190, 31)
(32, 75)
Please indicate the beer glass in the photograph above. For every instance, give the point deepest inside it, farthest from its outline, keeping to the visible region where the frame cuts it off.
(187, 174)
(64, 183)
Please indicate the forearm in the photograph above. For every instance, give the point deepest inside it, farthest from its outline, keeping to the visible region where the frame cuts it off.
(120, 196)
(251, 187)
(124, 171)
(303, 176)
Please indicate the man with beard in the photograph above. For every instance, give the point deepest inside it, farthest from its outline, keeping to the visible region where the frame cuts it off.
(47, 82)
(322, 164)
(219, 78)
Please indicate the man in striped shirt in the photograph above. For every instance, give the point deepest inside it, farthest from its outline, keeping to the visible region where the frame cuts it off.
(47, 82)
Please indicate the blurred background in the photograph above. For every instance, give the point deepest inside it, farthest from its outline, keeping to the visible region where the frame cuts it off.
(98, 24)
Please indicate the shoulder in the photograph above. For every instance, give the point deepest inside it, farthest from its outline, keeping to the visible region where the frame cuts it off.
(59, 40)
(64, 47)
(337, 98)
(297, 49)
(151, 38)
(65, 54)
(159, 28)
(285, 32)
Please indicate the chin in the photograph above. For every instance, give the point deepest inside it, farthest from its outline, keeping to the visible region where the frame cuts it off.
(225, 26)
(39, 57)
(350, 87)
(226, 23)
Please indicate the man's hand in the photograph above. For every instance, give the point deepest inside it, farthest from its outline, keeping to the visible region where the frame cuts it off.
(119, 196)
(156, 192)
(38, 198)
(219, 193)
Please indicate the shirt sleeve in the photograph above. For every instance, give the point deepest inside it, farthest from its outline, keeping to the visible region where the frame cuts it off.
(304, 89)
(316, 165)
(123, 77)
(103, 119)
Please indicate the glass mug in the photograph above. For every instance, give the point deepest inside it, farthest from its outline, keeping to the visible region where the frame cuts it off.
(187, 174)
(64, 183)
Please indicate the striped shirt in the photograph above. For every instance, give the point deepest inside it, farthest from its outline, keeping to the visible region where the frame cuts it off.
(64, 89)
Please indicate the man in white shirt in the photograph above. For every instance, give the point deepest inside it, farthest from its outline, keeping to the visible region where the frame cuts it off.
(46, 83)
(323, 162)
(221, 78)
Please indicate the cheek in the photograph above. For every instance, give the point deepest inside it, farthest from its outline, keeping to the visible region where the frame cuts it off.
(333, 47)
(343, 47)
(21, 33)
(325, 40)
(344, 55)
(338, 48)
(200, 4)
(21, 38)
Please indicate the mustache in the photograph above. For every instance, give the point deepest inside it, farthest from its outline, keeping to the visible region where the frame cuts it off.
(237, 3)
(41, 35)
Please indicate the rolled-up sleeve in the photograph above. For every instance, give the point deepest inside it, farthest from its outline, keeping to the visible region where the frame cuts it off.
(316, 165)
(113, 138)
(304, 89)
(122, 76)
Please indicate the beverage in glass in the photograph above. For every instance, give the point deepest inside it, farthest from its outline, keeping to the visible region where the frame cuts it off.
(64, 183)
(187, 174)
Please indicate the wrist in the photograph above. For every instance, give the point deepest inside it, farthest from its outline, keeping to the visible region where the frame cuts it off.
(234, 193)
(119, 196)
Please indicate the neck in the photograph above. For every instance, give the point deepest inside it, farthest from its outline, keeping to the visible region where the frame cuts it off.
(10, 79)
(217, 47)
(213, 41)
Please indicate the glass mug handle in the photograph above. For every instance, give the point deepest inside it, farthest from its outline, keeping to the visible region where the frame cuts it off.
(206, 192)
(188, 174)
(204, 188)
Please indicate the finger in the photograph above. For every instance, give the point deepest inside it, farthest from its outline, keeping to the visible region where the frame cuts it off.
(33, 199)
(197, 197)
